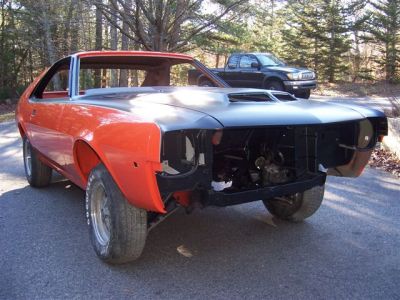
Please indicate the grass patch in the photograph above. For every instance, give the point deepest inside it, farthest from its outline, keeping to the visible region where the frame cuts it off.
(7, 117)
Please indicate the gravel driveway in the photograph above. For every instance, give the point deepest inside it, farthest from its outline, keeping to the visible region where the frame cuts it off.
(348, 250)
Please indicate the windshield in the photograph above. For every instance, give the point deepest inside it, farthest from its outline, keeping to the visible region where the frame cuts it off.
(269, 60)
(127, 71)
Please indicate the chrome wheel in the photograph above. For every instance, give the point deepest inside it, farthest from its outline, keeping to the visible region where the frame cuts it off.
(28, 158)
(100, 214)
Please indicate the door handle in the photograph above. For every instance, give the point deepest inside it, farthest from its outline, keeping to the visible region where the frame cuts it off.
(33, 113)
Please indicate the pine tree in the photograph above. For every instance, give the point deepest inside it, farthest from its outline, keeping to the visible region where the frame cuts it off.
(316, 35)
(385, 30)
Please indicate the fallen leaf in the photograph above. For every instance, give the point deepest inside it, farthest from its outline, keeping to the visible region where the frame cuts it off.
(184, 251)
(268, 219)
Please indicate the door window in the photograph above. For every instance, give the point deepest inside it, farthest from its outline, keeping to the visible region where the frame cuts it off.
(233, 61)
(246, 61)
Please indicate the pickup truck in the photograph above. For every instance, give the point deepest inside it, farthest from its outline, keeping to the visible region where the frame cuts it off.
(261, 70)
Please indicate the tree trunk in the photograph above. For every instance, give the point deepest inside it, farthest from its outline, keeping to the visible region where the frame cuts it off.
(357, 56)
(123, 78)
(51, 51)
(217, 60)
(75, 25)
(113, 46)
(99, 43)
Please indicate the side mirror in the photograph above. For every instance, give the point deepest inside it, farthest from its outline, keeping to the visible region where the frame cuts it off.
(231, 66)
(255, 65)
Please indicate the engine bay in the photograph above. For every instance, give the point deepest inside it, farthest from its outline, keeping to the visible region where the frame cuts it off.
(235, 160)
(253, 158)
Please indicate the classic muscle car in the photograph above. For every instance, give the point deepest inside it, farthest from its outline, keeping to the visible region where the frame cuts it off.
(127, 128)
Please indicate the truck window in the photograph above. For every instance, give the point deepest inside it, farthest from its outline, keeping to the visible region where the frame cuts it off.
(247, 60)
(233, 61)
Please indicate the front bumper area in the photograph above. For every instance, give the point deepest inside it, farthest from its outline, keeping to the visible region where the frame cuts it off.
(291, 188)
(210, 197)
(299, 85)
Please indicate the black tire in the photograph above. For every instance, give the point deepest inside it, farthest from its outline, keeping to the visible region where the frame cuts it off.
(37, 173)
(305, 94)
(297, 207)
(125, 224)
(274, 85)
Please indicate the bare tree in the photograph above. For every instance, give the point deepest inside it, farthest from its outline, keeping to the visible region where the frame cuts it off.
(123, 79)
(166, 25)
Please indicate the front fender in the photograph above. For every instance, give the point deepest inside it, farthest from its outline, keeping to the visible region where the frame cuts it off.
(131, 153)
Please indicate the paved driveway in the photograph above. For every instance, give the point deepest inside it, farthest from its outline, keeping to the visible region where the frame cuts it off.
(349, 249)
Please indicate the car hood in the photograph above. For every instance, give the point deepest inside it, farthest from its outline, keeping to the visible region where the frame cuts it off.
(185, 108)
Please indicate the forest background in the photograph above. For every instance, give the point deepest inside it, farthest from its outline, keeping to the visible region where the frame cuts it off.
(346, 42)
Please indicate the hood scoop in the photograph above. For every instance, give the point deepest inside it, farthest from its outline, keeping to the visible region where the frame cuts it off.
(261, 97)
(251, 97)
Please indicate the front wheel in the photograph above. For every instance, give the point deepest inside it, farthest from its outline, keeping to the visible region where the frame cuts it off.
(305, 94)
(296, 207)
(206, 83)
(117, 229)
(37, 173)
(274, 85)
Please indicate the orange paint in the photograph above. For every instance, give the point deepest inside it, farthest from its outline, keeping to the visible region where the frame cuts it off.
(134, 53)
(183, 198)
(72, 138)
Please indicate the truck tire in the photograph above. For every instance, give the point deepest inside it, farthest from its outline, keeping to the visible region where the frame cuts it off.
(117, 229)
(296, 207)
(305, 94)
(37, 173)
(206, 82)
(274, 85)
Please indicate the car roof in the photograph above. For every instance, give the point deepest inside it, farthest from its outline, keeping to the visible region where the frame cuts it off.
(132, 53)
(253, 53)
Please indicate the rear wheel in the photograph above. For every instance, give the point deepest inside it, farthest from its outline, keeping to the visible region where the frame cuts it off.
(274, 85)
(37, 173)
(296, 207)
(117, 229)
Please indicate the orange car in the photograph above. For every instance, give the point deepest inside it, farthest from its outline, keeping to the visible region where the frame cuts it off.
(134, 131)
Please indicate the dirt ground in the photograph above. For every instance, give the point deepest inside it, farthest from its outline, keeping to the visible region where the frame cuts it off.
(7, 112)
(350, 89)
(385, 160)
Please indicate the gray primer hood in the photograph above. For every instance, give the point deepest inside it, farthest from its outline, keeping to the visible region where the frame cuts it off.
(180, 108)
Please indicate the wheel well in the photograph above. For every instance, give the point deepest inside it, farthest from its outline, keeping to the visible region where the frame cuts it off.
(85, 158)
(269, 79)
(21, 130)
(202, 78)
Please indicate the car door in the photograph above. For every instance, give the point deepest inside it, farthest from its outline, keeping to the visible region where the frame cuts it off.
(47, 104)
(250, 75)
(231, 72)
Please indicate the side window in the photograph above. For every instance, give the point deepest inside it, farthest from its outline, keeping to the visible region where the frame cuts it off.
(246, 61)
(233, 61)
(59, 81)
(55, 84)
